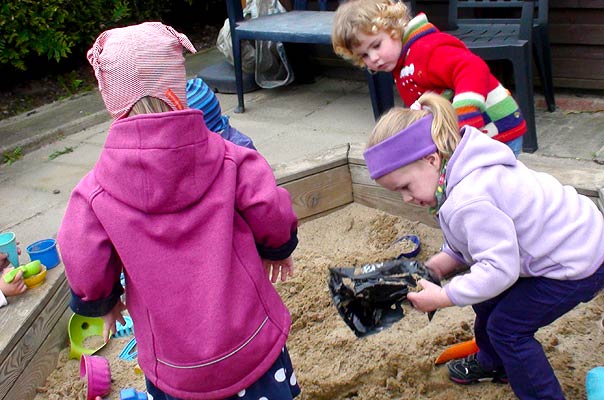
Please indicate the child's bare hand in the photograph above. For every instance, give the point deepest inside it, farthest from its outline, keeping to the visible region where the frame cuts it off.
(3, 260)
(16, 287)
(431, 298)
(111, 317)
(274, 267)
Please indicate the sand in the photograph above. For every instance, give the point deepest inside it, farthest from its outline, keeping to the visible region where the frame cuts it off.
(398, 363)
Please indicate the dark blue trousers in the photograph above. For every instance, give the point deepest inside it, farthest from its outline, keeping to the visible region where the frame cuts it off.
(279, 382)
(505, 329)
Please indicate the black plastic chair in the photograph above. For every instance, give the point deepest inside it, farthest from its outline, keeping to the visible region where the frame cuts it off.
(502, 39)
(542, 53)
(297, 26)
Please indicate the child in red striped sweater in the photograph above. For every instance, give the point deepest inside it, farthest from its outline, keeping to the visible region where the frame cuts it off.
(381, 36)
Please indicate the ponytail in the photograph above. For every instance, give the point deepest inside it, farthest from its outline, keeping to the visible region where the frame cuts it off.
(445, 128)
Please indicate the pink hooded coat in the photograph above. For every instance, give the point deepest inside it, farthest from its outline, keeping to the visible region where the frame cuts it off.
(187, 216)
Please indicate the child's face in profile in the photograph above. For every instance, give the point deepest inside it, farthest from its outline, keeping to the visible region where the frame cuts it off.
(379, 52)
(416, 182)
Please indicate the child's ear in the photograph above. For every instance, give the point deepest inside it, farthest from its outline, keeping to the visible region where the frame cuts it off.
(433, 159)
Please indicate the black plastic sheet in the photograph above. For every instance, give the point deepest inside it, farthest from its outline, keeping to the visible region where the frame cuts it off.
(369, 297)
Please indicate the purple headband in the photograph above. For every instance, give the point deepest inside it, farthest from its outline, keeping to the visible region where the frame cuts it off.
(407, 146)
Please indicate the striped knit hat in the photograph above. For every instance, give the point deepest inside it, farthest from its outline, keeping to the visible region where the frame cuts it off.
(137, 61)
(201, 97)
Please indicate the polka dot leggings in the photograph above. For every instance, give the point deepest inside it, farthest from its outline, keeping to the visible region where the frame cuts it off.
(278, 383)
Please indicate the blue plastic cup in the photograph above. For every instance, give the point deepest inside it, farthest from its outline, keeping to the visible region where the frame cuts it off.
(594, 383)
(45, 251)
(8, 245)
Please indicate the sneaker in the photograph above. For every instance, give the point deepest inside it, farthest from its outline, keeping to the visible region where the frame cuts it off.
(467, 370)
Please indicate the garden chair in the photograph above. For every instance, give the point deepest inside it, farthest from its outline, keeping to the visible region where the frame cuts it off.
(542, 53)
(297, 26)
(541, 50)
(502, 39)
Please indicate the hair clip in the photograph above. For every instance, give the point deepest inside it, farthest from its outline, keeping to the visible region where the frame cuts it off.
(416, 106)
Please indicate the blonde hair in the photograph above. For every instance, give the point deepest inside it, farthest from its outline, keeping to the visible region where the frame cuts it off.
(445, 128)
(148, 105)
(367, 17)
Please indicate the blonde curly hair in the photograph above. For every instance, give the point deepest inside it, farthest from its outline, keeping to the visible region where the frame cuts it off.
(367, 17)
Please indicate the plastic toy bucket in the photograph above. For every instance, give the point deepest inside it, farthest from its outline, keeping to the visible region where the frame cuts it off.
(45, 251)
(98, 375)
(80, 328)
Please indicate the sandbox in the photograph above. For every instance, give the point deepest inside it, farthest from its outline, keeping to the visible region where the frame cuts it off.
(346, 220)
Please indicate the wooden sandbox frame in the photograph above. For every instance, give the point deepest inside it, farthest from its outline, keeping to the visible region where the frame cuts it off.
(35, 324)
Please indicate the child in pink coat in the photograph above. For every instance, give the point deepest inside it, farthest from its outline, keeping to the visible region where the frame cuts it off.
(196, 223)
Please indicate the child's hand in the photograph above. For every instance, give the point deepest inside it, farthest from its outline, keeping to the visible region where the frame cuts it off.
(109, 320)
(431, 298)
(273, 267)
(3, 260)
(16, 287)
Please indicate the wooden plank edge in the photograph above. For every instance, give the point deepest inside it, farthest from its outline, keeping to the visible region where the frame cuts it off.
(390, 202)
(355, 154)
(37, 300)
(319, 192)
(44, 362)
(32, 338)
(318, 162)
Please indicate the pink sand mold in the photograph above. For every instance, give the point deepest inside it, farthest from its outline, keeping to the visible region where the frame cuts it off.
(96, 369)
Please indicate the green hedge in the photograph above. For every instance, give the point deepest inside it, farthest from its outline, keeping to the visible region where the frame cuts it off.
(54, 29)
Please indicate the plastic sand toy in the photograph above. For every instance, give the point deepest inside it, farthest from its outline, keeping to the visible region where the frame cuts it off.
(98, 375)
(411, 245)
(45, 251)
(36, 280)
(594, 384)
(28, 270)
(132, 394)
(80, 329)
(458, 350)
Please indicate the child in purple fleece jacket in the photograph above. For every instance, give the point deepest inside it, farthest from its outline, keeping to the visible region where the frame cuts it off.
(524, 248)
(197, 225)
